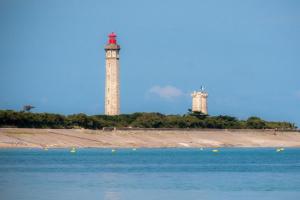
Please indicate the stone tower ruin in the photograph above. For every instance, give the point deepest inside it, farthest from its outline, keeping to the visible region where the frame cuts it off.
(199, 101)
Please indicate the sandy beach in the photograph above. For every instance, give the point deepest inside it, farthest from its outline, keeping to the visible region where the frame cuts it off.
(64, 138)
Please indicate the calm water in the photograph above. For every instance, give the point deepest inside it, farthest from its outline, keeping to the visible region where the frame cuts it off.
(146, 174)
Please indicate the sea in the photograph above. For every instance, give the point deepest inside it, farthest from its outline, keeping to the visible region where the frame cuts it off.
(150, 174)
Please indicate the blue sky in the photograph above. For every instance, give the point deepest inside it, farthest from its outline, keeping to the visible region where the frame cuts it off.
(245, 53)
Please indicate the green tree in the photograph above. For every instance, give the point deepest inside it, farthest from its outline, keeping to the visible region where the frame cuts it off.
(255, 123)
(149, 120)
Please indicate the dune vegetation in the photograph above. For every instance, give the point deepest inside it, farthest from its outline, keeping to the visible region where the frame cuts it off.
(23, 119)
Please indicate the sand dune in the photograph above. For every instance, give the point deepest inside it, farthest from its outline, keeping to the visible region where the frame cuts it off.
(60, 138)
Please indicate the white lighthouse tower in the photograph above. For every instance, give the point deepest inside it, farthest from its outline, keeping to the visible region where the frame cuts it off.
(112, 81)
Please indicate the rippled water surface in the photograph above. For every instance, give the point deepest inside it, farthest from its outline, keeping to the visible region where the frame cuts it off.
(149, 174)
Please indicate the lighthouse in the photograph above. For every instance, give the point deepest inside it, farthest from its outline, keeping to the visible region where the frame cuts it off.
(112, 78)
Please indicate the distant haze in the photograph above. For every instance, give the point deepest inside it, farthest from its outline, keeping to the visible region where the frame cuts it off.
(245, 53)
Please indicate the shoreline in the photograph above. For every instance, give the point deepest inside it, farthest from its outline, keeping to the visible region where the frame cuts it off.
(139, 148)
(146, 138)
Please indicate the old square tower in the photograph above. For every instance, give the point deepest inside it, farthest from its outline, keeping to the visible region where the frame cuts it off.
(199, 101)
(112, 78)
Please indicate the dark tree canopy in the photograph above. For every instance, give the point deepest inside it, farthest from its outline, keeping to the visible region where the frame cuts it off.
(10, 118)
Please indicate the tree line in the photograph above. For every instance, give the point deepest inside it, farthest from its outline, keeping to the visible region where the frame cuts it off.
(22, 119)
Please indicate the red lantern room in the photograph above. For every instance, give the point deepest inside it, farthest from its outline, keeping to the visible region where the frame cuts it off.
(112, 38)
(112, 42)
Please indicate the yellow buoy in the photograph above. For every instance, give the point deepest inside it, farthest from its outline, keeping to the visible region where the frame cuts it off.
(73, 150)
(279, 149)
(215, 150)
